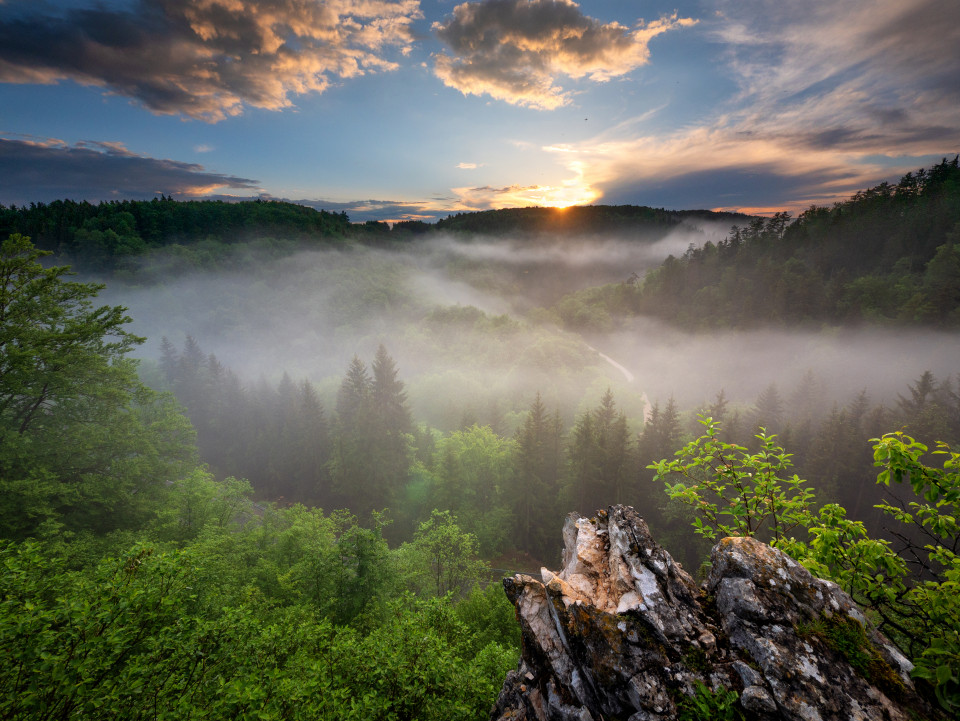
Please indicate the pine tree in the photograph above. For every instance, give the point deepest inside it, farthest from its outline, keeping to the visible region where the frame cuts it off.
(613, 445)
(169, 361)
(372, 452)
(718, 409)
(582, 464)
(662, 436)
(391, 425)
(352, 398)
(350, 462)
(535, 494)
(599, 457)
(768, 410)
(389, 396)
(311, 448)
(926, 413)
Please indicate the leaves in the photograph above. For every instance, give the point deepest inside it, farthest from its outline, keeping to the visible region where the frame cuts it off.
(149, 634)
(735, 492)
(83, 442)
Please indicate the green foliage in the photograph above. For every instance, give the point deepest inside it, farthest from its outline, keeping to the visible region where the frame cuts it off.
(931, 606)
(198, 501)
(83, 646)
(246, 621)
(707, 704)
(442, 559)
(735, 492)
(490, 618)
(101, 237)
(473, 478)
(83, 443)
(577, 220)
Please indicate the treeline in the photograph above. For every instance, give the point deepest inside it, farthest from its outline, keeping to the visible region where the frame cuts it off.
(97, 237)
(103, 236)
(889, 254)
(511, 490)
(585, 220)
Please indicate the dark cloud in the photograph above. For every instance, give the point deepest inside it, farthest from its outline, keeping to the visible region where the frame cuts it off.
(863, 76)
(206, 58)
(921, 42)
(515, 50)
(42, 171)
(728, 187)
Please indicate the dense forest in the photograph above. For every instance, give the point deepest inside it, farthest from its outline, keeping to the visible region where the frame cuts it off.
(103, 237)
(279, 473)
(889, 254)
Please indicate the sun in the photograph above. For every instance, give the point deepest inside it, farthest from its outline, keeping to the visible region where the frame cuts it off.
(570, 192)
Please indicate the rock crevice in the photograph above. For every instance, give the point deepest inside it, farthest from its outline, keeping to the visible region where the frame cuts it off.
(623, 632)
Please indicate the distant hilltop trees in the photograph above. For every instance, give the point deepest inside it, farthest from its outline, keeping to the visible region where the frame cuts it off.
(888, 255)
(96, 236)
(580, 220)
(100, 236)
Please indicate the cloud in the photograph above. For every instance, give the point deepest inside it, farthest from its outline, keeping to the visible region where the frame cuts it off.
(833, 97)
(516, 50)
(467, 166)
(203, 148)
(389, 211)
(706, 167)
(865, 76)
(570, 192)
(207, 58)
(42, 170)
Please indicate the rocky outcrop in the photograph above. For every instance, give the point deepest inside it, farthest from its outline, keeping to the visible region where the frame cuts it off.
(622, 632)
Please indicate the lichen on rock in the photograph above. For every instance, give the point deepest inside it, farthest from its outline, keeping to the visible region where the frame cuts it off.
(622, 631)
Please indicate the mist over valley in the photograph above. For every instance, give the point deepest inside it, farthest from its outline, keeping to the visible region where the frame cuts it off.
(474, 321)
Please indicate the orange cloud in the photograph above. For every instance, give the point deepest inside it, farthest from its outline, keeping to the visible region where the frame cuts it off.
(515, 50)
(209, 58)
(573, 191)
(650, 161)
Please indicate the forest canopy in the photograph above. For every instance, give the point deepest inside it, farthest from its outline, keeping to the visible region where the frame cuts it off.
(181, 535)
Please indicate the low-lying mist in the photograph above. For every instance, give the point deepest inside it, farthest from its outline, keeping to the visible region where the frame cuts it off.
(537, 271)
(454, 315)
(693, 367)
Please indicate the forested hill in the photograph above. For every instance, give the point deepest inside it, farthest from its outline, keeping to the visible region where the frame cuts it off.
(580, 220)
(96, 236)
(890, 254)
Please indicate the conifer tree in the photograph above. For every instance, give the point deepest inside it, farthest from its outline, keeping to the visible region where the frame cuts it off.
(311, 448)
(599, 457)
(769, 409)
(372, 452)
(582, 465)
(535, 494)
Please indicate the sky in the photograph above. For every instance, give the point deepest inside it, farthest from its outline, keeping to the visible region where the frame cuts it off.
(416, 109)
